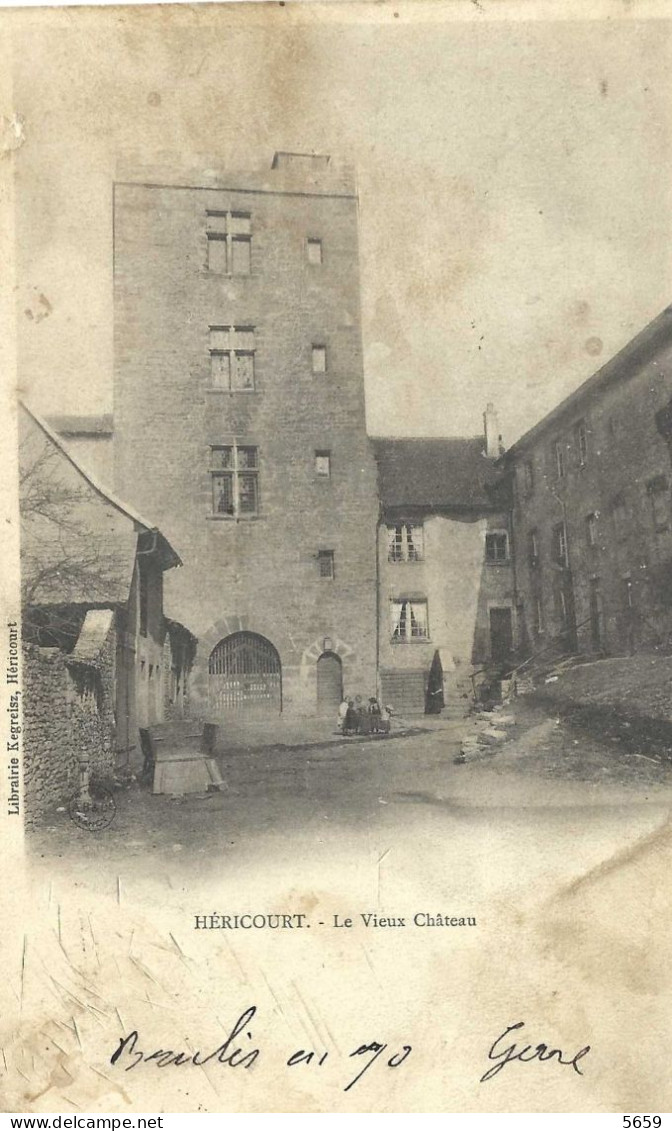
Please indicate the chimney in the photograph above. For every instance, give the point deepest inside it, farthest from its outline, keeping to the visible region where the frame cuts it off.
(305, 162)
(491, 429)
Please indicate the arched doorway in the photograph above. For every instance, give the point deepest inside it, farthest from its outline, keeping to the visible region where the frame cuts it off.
(329, 683)
(244, 675)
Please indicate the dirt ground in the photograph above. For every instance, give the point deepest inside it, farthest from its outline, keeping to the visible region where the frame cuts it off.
(295, 792)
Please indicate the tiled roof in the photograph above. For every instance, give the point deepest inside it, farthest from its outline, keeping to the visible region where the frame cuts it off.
(434, 474)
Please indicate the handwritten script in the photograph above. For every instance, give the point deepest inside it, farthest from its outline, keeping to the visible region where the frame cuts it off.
(525, 1053)
(238, 1050)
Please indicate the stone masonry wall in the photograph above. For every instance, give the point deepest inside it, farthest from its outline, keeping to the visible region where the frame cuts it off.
(614, 499)
(256, 574)
(67, 715)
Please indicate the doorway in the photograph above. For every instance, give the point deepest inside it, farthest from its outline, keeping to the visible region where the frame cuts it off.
(329, 683)
(501, 634)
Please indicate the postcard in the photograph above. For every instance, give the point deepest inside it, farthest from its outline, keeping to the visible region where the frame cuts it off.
(336, 601)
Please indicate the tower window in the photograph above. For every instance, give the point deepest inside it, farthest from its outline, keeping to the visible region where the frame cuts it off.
(234, 473)
(325, 562)
(314, 251)
(229, 242)
(319, 359)
(232, 358)
(323, 464)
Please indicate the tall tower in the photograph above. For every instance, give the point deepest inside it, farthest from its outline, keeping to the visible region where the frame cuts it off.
(240, 424)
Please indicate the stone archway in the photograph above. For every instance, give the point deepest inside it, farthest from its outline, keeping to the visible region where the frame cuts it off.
(244, 676)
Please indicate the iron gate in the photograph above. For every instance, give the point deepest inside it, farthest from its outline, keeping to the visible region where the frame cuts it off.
(245, 675)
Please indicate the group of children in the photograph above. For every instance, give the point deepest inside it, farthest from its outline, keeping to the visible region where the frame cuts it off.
(357, 717)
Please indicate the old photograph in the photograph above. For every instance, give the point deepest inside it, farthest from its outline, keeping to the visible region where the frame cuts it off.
(338, 590)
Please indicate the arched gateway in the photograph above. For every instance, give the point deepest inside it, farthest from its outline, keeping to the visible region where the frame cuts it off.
(329, 683)
(244, 675)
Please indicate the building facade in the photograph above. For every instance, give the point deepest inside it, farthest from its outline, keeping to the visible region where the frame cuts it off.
(592, 520)
(101, 660)
(446, 607)
(240, 424)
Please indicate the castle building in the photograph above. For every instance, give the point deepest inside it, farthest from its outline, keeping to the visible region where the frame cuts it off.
(592, 520)
(239, 424)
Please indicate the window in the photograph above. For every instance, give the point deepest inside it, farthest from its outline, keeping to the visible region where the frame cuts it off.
(325, 562)
(591, 529)
(538, 616)
(560, 544)
(143, 598)
(559, 455)
(229, 242)
(659, 498)
(561, 607)
(323, 464)
(234, 472)
(232, 358)
(405, 543)
(533, 546)
(628, 594)
(619, 514)
(497, 547)
(528, 477)
(314, 251)
(319, 359)
(409, 619)
(581, 435)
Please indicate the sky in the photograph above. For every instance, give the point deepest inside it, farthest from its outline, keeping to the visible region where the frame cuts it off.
(514, 180)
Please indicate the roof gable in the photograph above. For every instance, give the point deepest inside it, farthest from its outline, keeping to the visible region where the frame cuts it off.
(437, 474)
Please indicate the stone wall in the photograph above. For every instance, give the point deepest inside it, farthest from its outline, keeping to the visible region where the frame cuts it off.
(256, 573)
(68, 715)
(602, 469)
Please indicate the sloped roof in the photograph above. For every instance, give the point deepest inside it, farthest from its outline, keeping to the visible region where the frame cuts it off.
(434, 474)
(169, 556)
(102, 425)
(620, 367)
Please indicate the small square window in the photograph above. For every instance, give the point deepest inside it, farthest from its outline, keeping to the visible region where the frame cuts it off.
(325, 561)
(319, 359)
(314, 251)
(323, 464)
